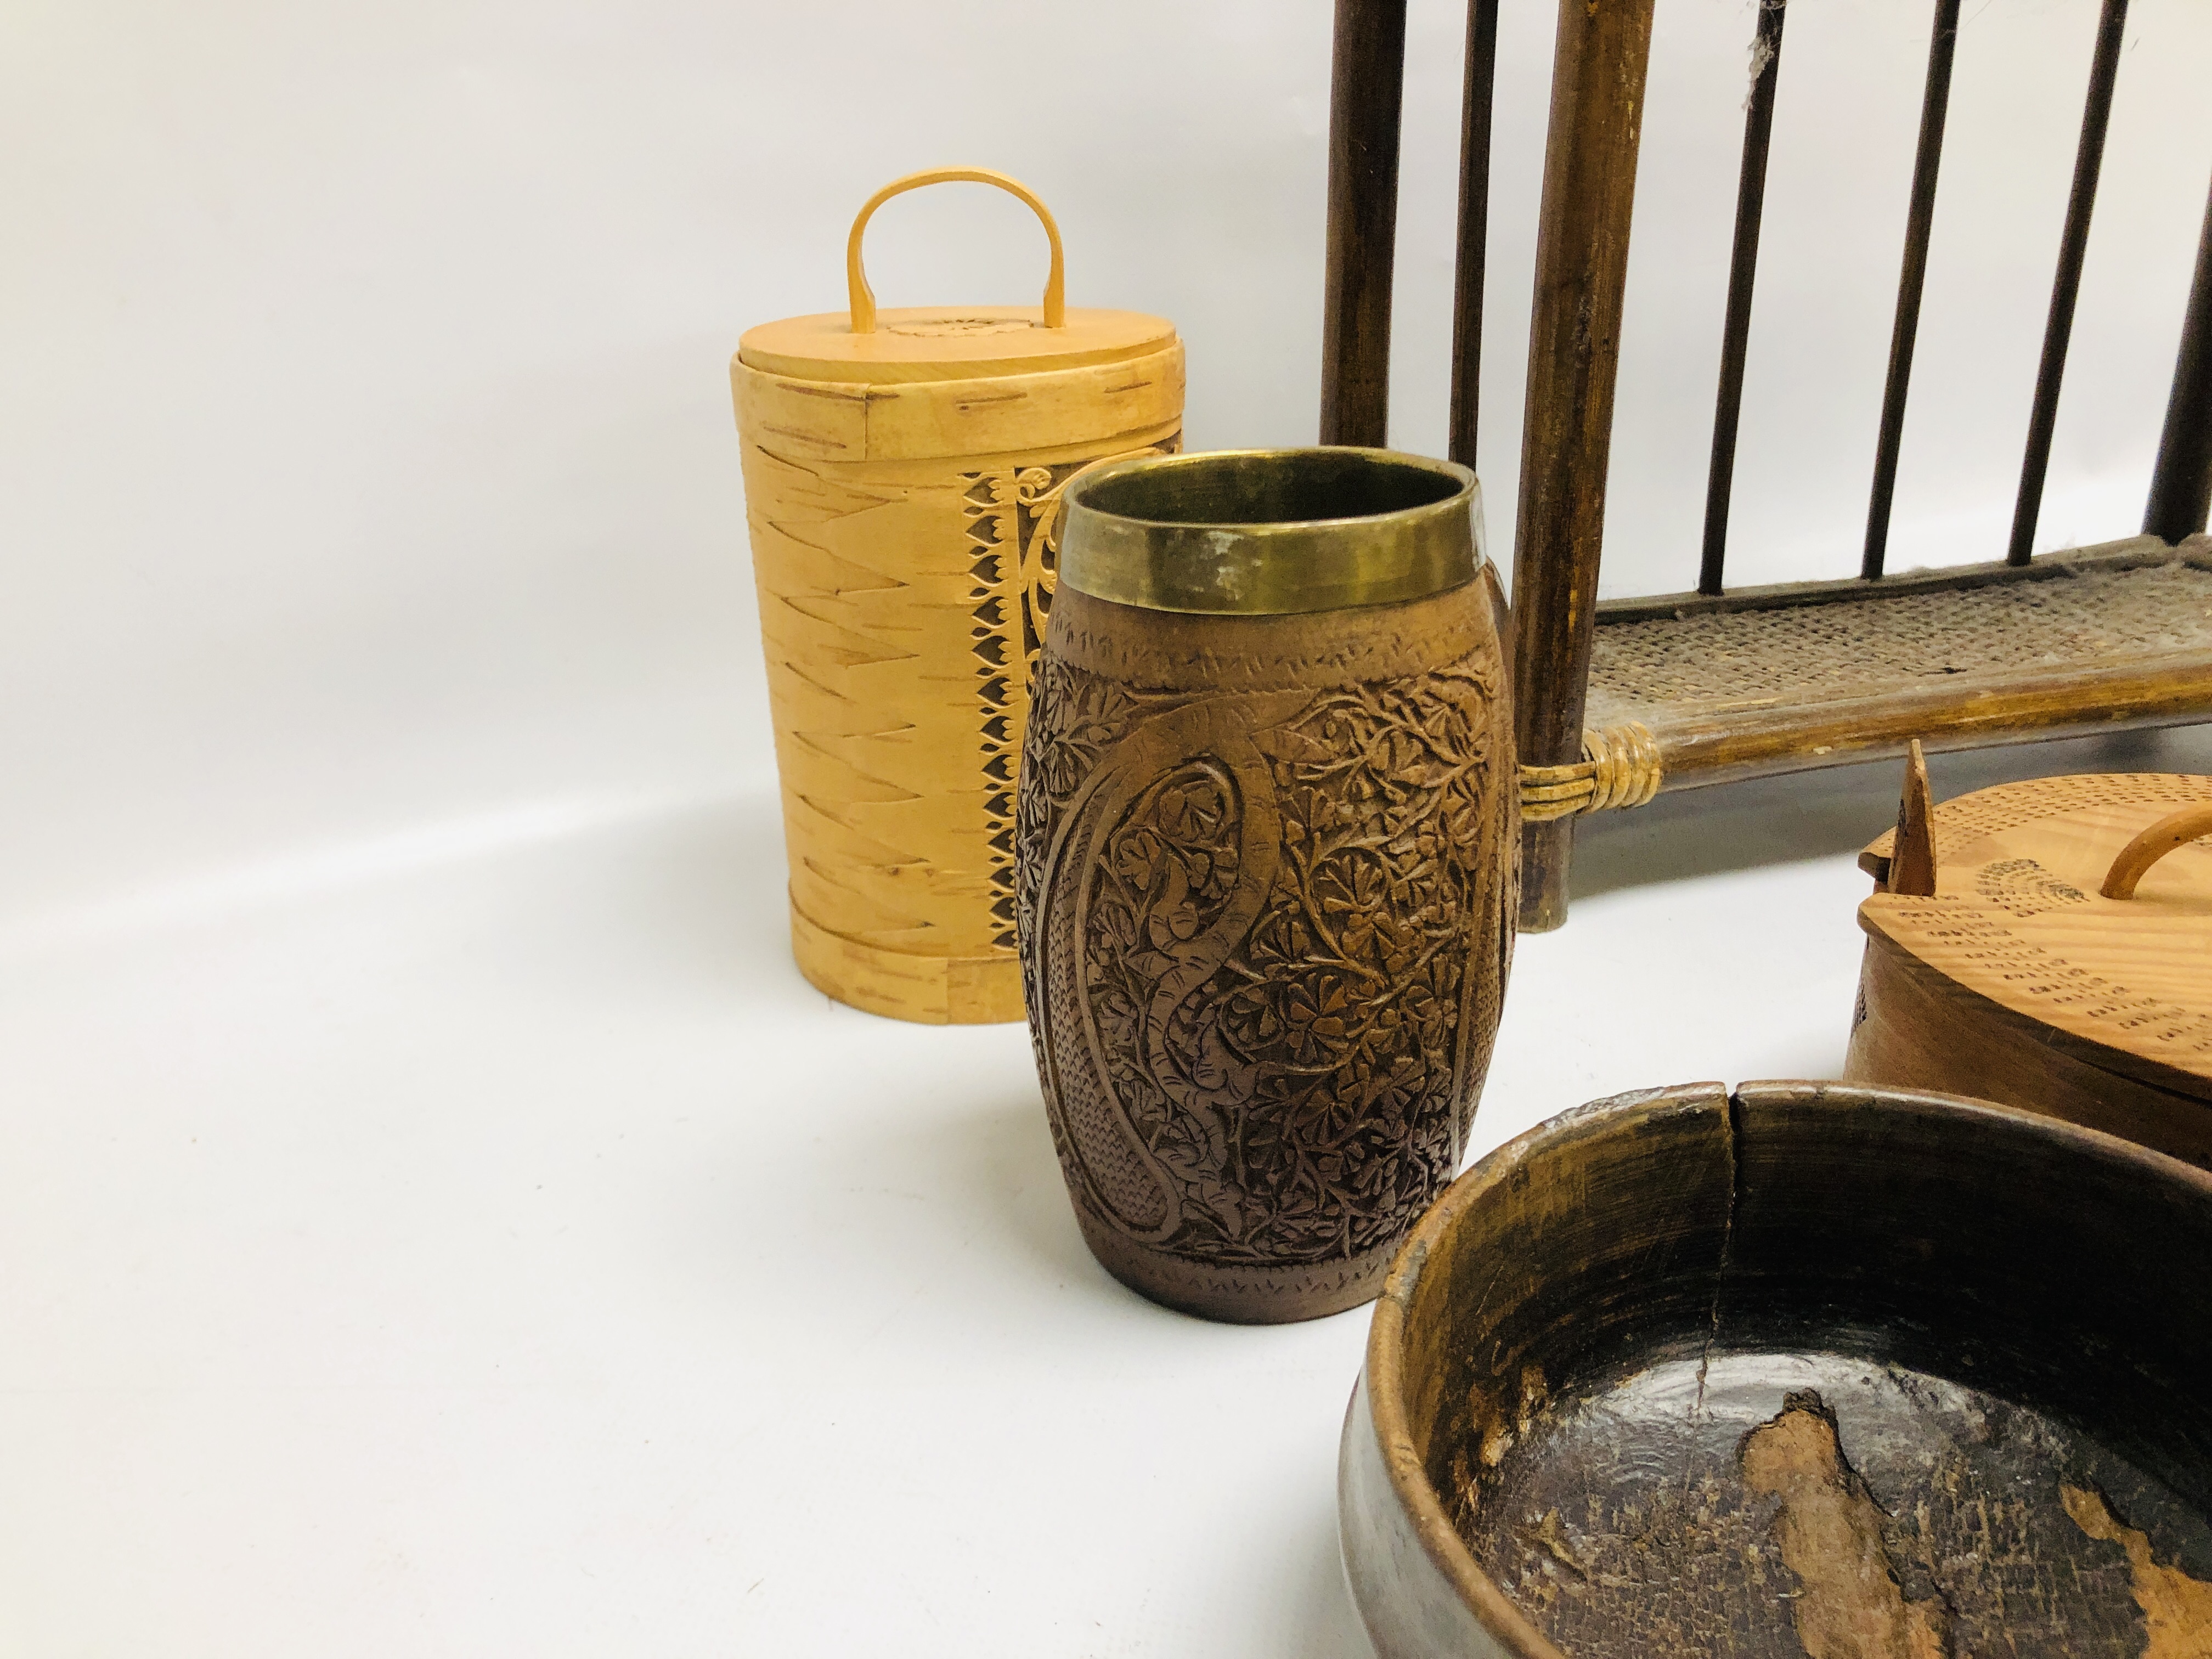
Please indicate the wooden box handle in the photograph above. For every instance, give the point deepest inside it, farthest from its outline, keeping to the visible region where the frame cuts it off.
(861, 298)
(2174, 829)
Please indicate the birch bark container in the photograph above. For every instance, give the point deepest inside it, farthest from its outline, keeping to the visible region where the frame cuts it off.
(902, 472)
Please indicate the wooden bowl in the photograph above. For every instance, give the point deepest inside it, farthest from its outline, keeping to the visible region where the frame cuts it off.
(1808, 1369)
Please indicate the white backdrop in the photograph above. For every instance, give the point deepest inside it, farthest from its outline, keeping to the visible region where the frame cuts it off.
(389, 836)
(364, 364)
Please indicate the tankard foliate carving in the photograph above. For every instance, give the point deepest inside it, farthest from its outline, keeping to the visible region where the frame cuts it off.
(1266, 840)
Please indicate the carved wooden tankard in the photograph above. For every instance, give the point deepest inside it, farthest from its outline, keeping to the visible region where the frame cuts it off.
(1266, 838)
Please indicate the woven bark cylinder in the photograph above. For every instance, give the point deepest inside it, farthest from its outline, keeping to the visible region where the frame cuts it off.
(903, 473)
(1267, 849)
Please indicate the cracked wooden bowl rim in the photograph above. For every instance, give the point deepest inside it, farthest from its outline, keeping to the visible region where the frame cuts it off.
(1384, 1376)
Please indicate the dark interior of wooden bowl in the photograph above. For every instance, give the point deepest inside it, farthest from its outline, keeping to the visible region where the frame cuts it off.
(1827, 1371)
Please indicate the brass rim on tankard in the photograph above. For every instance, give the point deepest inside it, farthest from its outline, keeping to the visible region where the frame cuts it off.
(1270, 531)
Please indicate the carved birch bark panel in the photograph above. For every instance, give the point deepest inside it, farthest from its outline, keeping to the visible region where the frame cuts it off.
(903, 560)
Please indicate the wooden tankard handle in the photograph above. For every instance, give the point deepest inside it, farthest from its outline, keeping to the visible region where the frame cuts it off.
(861, 298)
(2174, 829)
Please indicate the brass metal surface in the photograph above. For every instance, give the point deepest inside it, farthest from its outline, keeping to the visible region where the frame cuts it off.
(1272, 532)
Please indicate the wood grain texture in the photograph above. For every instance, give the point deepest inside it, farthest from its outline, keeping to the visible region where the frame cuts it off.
(1912, 849)
(1914, 1028)
(905, 566)
(1265, 918)
(2018, 981)
(2168, 835)
(1471, 263)
(1799, 1371)
(1574, 353)
(1366, 94)
(1581, 667)
(2016, 917)
(1967, 818)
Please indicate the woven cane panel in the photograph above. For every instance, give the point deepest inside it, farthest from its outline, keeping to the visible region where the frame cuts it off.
(1862, 647)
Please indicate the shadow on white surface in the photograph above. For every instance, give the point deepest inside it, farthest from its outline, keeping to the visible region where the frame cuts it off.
(965, 1199)
(704, 905)
(448, 1193)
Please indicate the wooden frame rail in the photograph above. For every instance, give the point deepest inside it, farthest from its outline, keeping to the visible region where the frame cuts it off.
(1366, 94)
(1956, 654)
(1743, 270)
(1904, 333)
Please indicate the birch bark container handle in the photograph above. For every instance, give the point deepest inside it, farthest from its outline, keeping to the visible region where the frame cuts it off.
(861, 299)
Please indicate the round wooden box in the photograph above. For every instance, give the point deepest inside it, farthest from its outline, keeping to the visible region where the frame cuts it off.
(2048, 944)
(903, 475)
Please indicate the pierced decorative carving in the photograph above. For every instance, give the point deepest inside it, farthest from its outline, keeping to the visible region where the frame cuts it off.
(1264, 933)
(1012, 523)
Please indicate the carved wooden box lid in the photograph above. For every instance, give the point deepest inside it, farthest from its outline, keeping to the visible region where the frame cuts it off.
(2082, 904)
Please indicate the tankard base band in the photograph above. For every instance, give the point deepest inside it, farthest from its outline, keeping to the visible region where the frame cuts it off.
(1238, 1295)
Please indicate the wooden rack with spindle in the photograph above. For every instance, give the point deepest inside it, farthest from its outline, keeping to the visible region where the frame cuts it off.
(1616, 701)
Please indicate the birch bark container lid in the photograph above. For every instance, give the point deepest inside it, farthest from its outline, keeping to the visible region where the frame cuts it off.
(903, 470)
(949, 342)
(2070, 916)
